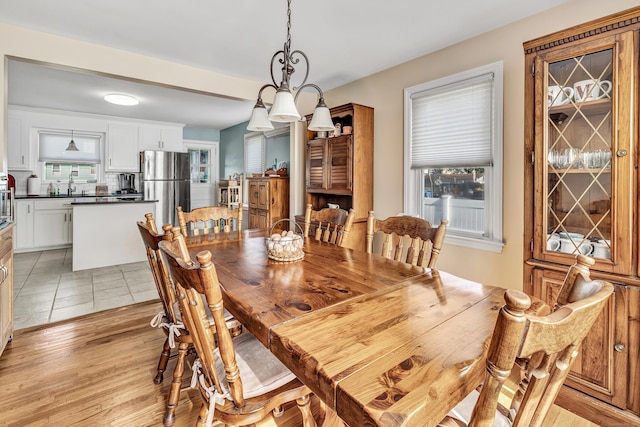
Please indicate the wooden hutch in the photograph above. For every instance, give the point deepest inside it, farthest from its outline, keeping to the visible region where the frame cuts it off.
(268, 201)
(581, 195)
(339, 169)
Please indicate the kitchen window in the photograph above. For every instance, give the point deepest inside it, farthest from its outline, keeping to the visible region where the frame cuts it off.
(59, 164)
(453, 155)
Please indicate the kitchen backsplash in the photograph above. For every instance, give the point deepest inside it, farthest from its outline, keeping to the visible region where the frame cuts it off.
(111, 179)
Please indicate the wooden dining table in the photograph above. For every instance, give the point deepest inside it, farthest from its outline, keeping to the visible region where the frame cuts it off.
(380, 342)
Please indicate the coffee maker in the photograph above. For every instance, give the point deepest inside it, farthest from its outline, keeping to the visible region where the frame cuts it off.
(127, 183)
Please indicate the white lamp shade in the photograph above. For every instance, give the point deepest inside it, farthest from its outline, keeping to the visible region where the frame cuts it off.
(284, 108)
(321, 120)
(259, 120)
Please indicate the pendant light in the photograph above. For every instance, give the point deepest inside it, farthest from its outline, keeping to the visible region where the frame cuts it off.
(72, 145)
(284, 105)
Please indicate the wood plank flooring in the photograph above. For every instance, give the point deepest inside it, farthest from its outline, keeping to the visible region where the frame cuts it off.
(98, 370)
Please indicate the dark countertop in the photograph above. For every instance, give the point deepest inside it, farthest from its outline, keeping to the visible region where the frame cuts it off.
(91, 199)
(77, 196)
(108, 200)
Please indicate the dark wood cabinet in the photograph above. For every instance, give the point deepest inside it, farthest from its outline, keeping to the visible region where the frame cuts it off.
(581, 180)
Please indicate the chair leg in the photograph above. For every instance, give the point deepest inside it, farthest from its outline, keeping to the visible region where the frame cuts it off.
(202, 416)
(162, 363)
(304, 404)
(174, 394)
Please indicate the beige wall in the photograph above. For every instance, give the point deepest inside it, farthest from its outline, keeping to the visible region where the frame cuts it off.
(384, 92)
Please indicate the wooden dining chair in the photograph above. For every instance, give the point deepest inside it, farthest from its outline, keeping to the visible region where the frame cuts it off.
(170, 319)
(406, 238)
(549, 344)
(328, 225)
(240, 381)
(207, 220)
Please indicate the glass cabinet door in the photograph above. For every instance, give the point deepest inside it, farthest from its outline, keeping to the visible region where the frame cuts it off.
(584, 171)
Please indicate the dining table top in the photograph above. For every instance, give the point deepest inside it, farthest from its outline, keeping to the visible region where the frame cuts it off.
(379, 341)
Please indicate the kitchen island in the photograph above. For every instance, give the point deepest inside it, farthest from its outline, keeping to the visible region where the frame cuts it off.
(105, 233)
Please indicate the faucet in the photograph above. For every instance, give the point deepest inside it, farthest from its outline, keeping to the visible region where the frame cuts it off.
(70, 189)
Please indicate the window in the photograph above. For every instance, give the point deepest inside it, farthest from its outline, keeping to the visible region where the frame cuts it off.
(59, 164)
(199, 164)
(253, 157)
(253, 153)
(453, 155)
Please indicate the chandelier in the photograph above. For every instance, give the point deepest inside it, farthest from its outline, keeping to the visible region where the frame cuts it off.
(284, 105)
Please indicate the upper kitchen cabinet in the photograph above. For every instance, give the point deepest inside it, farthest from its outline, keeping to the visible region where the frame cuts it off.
(18, 148)
(122, 148)
(165, 138)
(580, 194)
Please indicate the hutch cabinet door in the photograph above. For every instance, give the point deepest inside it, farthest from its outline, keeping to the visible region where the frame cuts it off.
(316, 160)
(264, 194)
(583, 165)
(601, 367)
(253, 194)
(339, 165)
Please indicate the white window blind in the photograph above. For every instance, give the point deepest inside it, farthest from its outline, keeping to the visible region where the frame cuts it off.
(452, 125)
(52, 147)
(253, 154)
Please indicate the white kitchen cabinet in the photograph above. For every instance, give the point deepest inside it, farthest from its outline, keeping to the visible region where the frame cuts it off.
(52, 223)
(18, 152)
(160, 138)
(43, 223)
(122, 148)
(24, 224)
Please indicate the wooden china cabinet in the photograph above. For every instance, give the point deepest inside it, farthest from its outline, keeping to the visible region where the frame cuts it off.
(339, 168)
(581, 195)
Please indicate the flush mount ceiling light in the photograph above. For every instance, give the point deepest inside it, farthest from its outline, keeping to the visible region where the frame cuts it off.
(72, 145)
(121, 99)
(284, 105)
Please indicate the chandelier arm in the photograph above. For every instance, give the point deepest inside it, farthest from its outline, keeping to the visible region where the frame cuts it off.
(295, 61)
(281, 61)
(263, 88)
(316, 87)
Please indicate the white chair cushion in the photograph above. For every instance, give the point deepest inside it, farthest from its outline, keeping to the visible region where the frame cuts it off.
(260, 370)
(463, 411)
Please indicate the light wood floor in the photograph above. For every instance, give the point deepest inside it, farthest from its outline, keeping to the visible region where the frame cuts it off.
(98, 370)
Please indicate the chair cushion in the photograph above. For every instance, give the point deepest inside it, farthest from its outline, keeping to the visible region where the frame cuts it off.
(463, 411)
(260, 370)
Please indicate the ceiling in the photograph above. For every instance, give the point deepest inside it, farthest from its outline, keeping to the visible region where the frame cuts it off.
(344, 40)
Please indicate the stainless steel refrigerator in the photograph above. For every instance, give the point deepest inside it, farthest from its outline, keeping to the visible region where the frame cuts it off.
(165, 177)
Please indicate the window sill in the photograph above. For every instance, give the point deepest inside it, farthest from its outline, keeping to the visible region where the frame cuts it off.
(474, 243)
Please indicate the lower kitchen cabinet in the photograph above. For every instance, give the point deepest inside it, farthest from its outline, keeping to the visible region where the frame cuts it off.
(6, 286)
(25, 211)
(43, 224)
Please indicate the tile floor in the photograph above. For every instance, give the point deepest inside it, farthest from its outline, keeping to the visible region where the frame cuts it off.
(46, 290)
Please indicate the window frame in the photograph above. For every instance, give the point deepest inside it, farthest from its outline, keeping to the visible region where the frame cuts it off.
(413, 178)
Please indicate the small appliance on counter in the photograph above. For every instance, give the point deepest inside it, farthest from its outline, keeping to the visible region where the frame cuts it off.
(6, 200)
(33, 186)
(127, 183)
